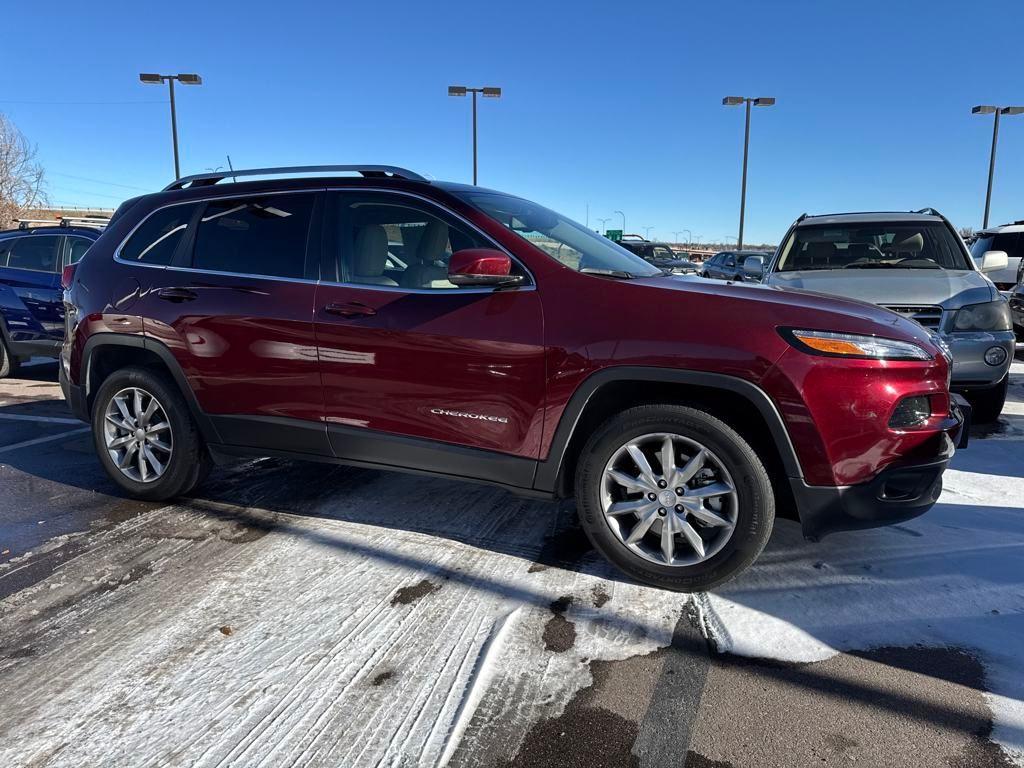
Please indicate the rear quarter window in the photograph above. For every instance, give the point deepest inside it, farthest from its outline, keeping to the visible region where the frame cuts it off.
(157, 238)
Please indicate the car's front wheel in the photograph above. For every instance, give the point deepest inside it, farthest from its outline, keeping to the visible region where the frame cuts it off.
(146, 437)
(8, 362)
(674, 497)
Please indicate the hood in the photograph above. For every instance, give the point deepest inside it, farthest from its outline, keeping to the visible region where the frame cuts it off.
(887, 287)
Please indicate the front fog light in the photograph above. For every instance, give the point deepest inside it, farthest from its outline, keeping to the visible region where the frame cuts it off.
(995, 356)
(911, 412)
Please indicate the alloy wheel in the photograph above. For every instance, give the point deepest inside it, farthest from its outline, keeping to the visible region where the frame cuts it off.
(669, 499)
(137, 435)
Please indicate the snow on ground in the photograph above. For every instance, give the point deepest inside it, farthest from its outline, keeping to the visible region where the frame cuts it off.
(954, 577)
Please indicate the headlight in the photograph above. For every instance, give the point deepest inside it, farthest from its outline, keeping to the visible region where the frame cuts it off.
(853, 345)
(990, 316)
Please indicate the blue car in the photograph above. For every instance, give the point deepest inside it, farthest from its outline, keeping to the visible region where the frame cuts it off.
(31, 298)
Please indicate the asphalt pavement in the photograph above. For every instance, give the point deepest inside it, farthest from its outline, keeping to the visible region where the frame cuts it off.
(305, 614)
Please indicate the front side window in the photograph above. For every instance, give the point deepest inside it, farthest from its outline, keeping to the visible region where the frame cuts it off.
(5, 247)
(1003, 241)
(263, 235)
(157, 238)
(923, 245)
(38, 253)
(570, 243)
(394, 241)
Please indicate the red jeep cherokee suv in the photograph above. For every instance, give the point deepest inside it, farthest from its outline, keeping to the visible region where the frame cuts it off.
(388, 321)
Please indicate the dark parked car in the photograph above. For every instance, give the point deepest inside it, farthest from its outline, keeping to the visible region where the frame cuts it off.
(31, 309)
(728, 265)
(660, 255)
(508, 345)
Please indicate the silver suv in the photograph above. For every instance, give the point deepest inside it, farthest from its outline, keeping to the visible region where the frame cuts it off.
(914, 264)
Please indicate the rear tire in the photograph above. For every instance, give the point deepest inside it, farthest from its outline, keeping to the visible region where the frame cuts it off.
(728, 504)
(987, 404)
(8, 362)
(174, 459)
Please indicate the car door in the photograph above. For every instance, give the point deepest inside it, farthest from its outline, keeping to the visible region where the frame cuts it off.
(411, 362)
(32, 303)
(235, 308)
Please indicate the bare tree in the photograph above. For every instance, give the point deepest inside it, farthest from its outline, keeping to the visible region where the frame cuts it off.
(21, 175)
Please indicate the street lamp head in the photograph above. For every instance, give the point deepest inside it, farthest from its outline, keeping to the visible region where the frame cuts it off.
(189, 79)
(733, 101)
(151, 78)
(983, 110)
(764, 101)
(456, 90)
(491, 93)
(1012, 110)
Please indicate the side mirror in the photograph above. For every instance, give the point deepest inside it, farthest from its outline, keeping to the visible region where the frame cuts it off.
(993, 261)
(754, 267)
(481, 267)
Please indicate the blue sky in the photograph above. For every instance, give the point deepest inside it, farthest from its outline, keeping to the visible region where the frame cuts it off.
(613, 104)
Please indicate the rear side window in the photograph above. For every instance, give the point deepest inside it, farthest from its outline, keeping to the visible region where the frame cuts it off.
(38, 253)
(156, 240)
(255, 236)
(77, 246)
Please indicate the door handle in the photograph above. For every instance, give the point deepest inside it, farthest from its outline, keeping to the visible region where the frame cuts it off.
(352, 309)
(177, 295)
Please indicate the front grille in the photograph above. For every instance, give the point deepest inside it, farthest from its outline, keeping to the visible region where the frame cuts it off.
(929, 317)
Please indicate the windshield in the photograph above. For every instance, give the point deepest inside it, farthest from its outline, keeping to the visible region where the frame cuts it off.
(919, 245)
(573, 245)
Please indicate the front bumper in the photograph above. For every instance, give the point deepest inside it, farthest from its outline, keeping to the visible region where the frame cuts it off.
(969, 366)
(897, 493)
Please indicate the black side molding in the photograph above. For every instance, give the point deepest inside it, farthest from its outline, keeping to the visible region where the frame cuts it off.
(548, 470)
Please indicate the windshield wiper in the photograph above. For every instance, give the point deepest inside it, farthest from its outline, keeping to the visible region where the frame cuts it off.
(616, 273)
(870, 265)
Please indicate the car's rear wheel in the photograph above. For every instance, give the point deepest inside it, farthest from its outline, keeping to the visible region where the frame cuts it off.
(674, 497)
(987, 404)
(146, 437)
(8, 362)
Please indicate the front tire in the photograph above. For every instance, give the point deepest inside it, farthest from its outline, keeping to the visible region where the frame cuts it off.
(674, 497)
(146, 437)
(8, 362)
(987, 404)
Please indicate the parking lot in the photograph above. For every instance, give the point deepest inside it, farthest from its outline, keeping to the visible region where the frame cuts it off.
(305, 614)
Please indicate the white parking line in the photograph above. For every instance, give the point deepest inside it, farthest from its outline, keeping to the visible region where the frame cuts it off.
(47, 439)
(46, 419)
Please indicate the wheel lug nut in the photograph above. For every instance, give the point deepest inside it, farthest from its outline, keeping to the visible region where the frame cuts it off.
(661, 511)
(679, 507)
(652, 496)
(680, 491)
(662, 484)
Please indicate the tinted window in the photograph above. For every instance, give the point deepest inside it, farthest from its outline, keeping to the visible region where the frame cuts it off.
(255, 236)
(5, 246)
(1004, 241)
(924, 245)
(394, 241)
(77, 246)
(38, 253)
(156, 240)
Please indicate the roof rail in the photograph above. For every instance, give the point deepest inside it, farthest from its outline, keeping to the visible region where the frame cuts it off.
(209, 179)
(84, 221)
(29, 223)
(929, 211)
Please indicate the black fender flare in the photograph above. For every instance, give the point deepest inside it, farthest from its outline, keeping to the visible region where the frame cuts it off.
(109, 339)
(548, 470)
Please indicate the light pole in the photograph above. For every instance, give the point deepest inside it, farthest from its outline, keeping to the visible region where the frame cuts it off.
(997, 111)
(647, 233)
(604, 223)
(488, 93)
(689, 236)
(150, 78)
(733, 101)
(623, 220)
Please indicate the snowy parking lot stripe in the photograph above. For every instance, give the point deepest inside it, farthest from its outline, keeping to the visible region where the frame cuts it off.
(38, 440)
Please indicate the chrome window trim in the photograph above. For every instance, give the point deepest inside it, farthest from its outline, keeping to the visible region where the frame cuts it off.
(532, 285)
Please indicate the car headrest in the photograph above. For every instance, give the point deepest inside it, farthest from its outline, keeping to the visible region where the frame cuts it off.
(432, 242)
(370, 251)
(913, 244)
